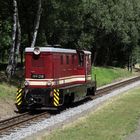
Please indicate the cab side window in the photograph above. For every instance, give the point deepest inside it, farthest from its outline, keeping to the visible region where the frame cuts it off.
(61, 59)
(81, 59)
(67, 59)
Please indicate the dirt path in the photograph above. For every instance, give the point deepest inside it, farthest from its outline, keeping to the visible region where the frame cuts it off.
(7, 108)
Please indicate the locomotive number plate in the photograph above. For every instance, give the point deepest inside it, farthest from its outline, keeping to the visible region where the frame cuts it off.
(38, 76)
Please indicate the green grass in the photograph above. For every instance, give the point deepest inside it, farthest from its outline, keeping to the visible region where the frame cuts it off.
(113, 121)
(108, 75)
(7, 91)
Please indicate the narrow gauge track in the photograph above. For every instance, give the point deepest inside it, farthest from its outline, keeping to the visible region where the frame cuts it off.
(10, 124)
(106, 89)
(27, 118)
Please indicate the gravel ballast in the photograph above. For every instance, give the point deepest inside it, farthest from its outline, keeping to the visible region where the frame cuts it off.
(69, 114)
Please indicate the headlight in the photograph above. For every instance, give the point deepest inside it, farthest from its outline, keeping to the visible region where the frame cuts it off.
(26, 83)
(36, 51)
(49, 83)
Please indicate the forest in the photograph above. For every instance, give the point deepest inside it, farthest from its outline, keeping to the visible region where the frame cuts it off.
(110, 29)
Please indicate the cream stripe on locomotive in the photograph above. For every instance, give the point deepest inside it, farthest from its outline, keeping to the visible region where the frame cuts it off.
(69, 77)
(64, 80)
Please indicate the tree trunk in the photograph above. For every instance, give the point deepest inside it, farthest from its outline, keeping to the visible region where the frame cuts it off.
(21, 57)
(18, 43)
(107, 56)
(16, 37)
(37, 23)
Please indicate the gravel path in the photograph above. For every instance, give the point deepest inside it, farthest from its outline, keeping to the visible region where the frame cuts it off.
(66, 116)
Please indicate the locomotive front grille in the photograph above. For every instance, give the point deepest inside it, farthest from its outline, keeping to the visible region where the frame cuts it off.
(37, 61)
(38, 96)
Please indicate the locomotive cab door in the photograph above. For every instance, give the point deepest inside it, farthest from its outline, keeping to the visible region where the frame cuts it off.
(85, 64)
(81, 63)
(86, 68)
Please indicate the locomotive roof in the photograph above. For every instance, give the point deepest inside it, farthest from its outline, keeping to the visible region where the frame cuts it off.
(51, 49)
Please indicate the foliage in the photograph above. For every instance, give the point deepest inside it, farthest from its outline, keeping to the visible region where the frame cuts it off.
(110, 29)
(5, 34)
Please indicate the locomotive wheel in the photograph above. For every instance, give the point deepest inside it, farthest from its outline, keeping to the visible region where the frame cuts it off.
(91, 91)
(68, 99)
(20, 108)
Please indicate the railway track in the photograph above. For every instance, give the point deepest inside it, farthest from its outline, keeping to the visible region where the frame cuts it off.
(18, 121)
(106, 89)
(9, 125)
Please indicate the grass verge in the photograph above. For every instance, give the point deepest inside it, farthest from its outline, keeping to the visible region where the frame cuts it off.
(107, 75)
(113, 121)
(7, 91)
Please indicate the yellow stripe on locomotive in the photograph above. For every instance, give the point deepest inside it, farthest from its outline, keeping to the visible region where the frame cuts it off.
(19, 96)
(56, 97)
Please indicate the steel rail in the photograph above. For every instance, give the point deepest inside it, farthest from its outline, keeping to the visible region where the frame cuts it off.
(19, 120)
(107, 89)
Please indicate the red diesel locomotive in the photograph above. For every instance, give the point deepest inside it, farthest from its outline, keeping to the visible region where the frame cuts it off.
(55, 77)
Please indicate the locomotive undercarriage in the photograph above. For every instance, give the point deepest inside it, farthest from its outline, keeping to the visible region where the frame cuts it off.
(38, 98)
(42, 98)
